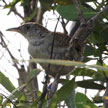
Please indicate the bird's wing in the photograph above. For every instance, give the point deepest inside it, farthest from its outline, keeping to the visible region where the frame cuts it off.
(62, 39)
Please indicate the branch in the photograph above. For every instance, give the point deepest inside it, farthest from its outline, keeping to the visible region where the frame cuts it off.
(64, 26)
(4, 2)
(77, 42)
(4, 44)
(9, 100)
(91, 21)
(99, 13)
(13, 9)
(52, 90)
(21, 71)
(80, 13)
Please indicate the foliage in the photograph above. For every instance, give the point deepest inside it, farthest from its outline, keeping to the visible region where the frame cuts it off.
(96, 49)
(82, 101)
(70, 12)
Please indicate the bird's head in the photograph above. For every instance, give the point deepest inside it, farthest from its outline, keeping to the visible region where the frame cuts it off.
(29, 29)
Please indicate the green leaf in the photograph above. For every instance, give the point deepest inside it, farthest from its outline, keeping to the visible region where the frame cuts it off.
(32, 15)
(25, 2)
(63, 93)
(47, 4)
(70, 12)
(97, 99)
(6, 82)
(93, 38)
(82, 101)
(22, 98)
(35, 103)
(47, 1)
(99, 34)
(86, 59)
(90, 84)
(84, 72)
(22, 101)
(89, 50)
(88, 12)
(104, 33)
(11, 4)
(14, 94)
(68, 2)
(1, 100)
(23, 105)
(14, 2)
(70, 101)
(68, 63)
(32, 74)
(100, 50)
(96, 75)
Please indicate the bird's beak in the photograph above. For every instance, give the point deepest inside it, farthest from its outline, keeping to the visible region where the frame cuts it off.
(17, 29)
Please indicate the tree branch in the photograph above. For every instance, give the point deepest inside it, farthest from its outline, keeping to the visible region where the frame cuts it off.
(77, 42)
(4, 44)
(80, 13)
(9, 100)
(17, 13)
(99, 13)
(52, 90)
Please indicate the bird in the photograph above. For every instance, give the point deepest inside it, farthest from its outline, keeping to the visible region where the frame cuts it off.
(40, 44)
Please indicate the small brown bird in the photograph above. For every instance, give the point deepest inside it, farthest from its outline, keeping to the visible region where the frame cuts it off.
(40, 41)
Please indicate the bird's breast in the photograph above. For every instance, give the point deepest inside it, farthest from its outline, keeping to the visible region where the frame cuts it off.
(36, 49)
(42, 49)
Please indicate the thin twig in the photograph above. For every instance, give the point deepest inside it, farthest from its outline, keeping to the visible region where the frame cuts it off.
(64, 26)
(9, 100)
(4, 2)
(21, 71)
(80, 13)
(54, 38)
(90, 23)
(99, 13)
(52, 90)
(17, 13)
(56, 81)
(3, 43)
